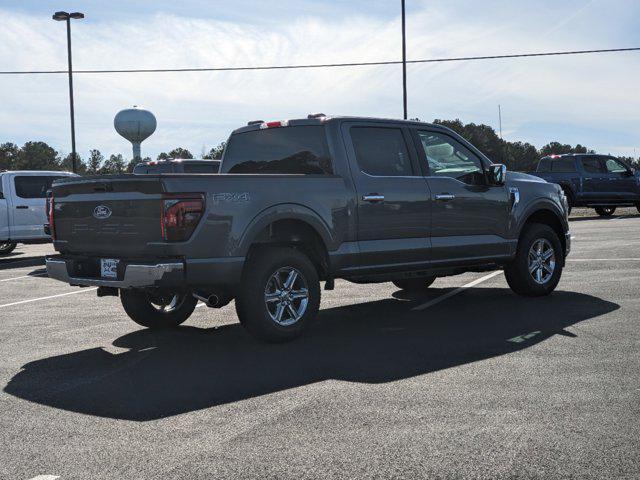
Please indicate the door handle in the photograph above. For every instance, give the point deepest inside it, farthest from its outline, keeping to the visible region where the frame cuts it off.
(22, 207)
(373, 197)
(444, 197)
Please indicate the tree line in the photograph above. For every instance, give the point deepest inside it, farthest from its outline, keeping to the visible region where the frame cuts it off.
(40, 156)
(517, 156)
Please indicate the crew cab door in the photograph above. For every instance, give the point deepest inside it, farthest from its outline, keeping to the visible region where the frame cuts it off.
(468, 217)
(393, 200)
(595, 181)
(27, 211)
(623, 185)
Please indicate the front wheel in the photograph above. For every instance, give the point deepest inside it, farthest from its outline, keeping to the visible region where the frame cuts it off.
(7, 247)
(537, 268)
(157, 310)
(414, 284)
(605, 211)
(280, 294)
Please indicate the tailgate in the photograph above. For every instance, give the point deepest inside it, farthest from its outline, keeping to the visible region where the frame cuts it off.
(115, 216)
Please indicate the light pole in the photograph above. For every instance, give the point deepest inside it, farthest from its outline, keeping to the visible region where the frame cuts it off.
(404, 62)
(64, 16)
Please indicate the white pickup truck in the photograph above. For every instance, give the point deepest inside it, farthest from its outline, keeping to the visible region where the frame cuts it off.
(22, 207)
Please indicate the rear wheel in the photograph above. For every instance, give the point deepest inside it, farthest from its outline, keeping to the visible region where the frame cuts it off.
(605, 211)
(7, 247)
(537, 268)
(157, 310)
(280, 294)
(414, 284)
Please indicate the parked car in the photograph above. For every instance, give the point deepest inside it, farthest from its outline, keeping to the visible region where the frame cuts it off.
(598, 181)
(367, 200)
(176, 165)
(22, 207)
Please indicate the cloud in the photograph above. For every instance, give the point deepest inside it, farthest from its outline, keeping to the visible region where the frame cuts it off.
(584, 98)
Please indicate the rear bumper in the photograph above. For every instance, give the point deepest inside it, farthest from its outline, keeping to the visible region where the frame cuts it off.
(134, 276)
(221, 274)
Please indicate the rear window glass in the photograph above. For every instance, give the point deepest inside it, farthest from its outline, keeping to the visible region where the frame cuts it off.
(34, 186)
(381, 151)
(288, 150)
(143, 168)
(564, 165)
(204, 167)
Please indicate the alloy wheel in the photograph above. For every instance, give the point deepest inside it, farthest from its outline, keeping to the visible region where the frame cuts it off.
(541, 261)
(286, 296)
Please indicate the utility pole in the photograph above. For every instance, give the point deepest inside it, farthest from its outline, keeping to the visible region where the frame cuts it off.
(500, 120)
(64, 16)
(404, 61)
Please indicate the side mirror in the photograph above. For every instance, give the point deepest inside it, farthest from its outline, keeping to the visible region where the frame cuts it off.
(497, 174)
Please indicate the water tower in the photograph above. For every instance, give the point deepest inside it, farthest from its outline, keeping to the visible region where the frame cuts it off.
(135, 124)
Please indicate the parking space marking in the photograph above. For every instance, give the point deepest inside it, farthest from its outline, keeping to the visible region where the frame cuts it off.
(458, 290)
(23, 276)
(603, 259)
(47, 298)
(45, 477)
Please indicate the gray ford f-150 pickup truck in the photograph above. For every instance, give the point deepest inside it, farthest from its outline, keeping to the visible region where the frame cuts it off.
(303, 201)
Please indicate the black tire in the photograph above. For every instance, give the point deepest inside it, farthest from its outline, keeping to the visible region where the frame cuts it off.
(7, 247)
(266, 273)
(414, 284)
(605, 211)
(144, 308)
(517, 272)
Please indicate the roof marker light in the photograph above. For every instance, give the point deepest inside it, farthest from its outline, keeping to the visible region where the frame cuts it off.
(277, 124)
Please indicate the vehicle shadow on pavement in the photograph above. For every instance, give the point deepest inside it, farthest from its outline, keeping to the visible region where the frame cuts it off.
(163, 374)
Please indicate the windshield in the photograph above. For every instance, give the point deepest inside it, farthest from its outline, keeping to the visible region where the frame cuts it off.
(289, 150)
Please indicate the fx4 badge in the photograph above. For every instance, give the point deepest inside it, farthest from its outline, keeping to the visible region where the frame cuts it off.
(231, 197)
(102, 212)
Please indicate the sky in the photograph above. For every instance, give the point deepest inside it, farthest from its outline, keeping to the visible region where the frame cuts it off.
(590, 99)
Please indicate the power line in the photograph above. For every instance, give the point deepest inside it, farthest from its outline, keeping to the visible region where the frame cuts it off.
(322, 65)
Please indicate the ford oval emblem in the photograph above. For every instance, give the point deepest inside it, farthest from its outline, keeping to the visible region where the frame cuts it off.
(102, 212)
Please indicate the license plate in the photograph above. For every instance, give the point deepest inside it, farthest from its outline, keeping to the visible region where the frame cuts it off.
(109, 268)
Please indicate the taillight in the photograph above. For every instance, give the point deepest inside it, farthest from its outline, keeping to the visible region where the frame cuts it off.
(180, 215)
(50, 215)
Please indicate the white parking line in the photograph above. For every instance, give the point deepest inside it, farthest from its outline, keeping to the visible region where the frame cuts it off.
(450, 294)
(23, 276)
(45, 477)
(47, 298)
(603, 259)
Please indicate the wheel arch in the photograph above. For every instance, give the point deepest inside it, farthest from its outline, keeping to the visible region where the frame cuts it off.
(547, 214)
(290, 225)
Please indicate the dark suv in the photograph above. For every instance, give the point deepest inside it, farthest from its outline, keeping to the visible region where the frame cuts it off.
(599, 181)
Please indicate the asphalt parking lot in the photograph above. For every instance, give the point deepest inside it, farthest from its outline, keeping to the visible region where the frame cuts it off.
(458, 383)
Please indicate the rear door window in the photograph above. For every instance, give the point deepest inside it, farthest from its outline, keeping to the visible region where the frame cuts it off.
(564, 165)
(381, 151)
(592, 165)
(544, 165)
(33, 186)
(285, 150)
